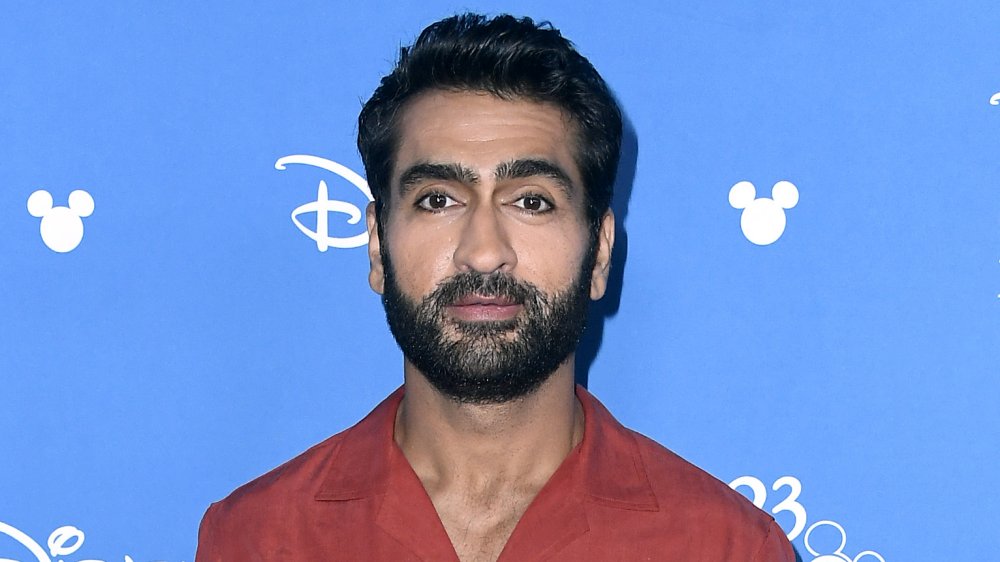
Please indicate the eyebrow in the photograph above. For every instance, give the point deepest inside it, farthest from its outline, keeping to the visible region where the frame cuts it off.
(424, 171)
(512, 169)
(535, 167)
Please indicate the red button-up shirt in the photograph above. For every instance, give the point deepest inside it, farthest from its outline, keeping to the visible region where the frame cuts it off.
(618, 496)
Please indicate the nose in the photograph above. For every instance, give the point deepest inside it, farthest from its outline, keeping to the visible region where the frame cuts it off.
(484, 245)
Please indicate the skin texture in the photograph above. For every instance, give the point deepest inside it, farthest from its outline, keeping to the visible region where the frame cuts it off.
(482, 464)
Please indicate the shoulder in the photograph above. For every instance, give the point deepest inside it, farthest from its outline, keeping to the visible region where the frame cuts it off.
(350, 459)
(645, 469)
(694, 497)
(252, 522)
(293, 480)
(258, 520)
(679, 481)
(650, 503)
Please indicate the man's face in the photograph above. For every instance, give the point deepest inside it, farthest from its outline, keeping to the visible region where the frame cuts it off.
(486, 266)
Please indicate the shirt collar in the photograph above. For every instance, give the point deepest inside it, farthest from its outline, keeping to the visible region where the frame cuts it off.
(614, 473)
(361, 466)
(611, 473)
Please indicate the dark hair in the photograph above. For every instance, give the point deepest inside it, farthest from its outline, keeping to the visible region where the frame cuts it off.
(509, 58)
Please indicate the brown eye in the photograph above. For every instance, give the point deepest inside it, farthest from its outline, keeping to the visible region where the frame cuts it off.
(435, 202)
(534, 204)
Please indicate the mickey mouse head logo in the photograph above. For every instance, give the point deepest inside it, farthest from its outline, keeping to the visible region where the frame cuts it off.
(763, 219)
(62, 227)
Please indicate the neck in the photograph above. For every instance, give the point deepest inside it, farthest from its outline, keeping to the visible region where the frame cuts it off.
(479, 446)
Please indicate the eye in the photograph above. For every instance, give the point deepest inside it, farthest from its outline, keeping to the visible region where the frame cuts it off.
(534, 203)
(435, 202)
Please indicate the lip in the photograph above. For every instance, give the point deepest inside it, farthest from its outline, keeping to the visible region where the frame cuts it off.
(476, 308)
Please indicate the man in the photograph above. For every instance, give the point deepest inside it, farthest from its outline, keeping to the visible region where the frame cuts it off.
(491, 150)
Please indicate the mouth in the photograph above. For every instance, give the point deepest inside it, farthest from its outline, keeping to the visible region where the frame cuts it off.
(477, 308)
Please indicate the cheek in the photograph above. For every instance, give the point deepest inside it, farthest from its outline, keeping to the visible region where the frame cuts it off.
(552, 261)
(418, 262)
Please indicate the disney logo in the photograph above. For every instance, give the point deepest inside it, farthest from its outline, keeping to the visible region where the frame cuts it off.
(323, 205)
(62, 542)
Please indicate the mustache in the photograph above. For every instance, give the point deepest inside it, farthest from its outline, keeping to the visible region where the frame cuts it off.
(495, 284)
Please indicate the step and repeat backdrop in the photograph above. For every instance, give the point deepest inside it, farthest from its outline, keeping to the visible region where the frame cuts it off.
(806, 296)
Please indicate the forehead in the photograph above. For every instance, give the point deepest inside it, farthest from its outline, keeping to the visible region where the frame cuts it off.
(480, 130)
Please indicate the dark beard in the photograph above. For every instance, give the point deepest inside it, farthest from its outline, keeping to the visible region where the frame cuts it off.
(490, 362)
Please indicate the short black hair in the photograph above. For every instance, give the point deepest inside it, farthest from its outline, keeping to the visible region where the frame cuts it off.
(508, 57)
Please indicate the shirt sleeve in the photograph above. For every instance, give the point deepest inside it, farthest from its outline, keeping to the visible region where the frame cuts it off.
(208, 547)
(776, 547)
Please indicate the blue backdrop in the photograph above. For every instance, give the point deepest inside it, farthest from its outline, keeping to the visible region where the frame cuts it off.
(168, 332)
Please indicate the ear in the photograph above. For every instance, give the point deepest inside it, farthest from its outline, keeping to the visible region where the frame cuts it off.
(785, 194)
(742, 194)
(39, 203)
(376, 275)
(81, 203)
(602, 263)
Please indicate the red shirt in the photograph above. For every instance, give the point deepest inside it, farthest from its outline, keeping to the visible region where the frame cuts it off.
(618, 496)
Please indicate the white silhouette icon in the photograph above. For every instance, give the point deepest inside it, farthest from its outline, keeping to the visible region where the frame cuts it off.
(763, 219)
(995, 100)
(837, 555)
(322, 206)
(62, 227)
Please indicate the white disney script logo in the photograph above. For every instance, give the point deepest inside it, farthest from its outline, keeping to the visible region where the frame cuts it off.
(324, 205)
(791, 505)
(62, 542)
